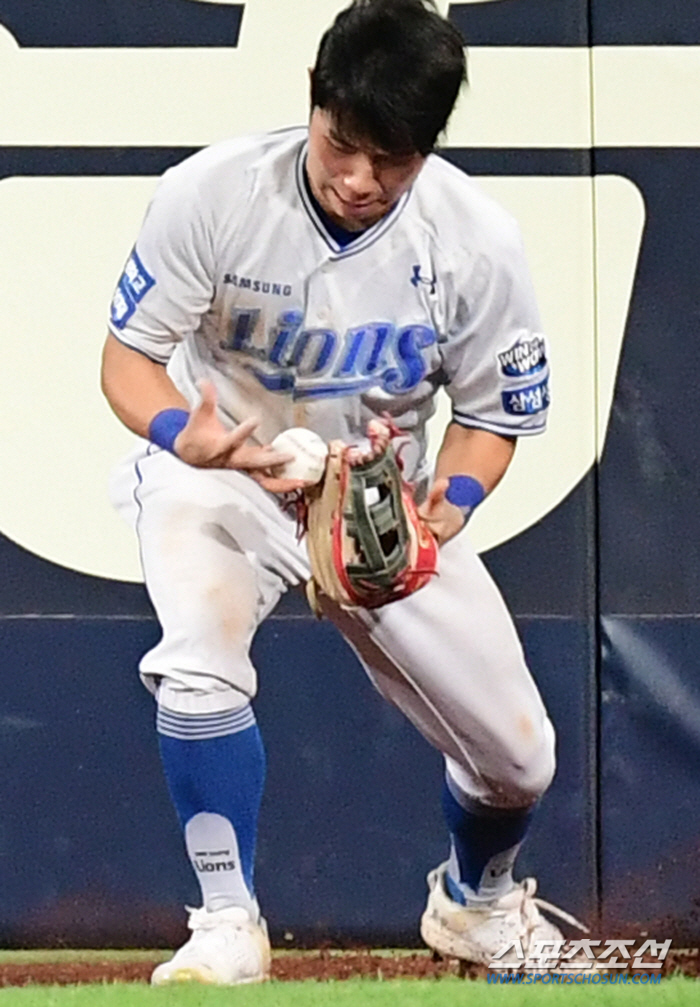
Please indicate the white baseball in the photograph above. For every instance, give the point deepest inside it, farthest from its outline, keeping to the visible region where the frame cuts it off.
(309, 453)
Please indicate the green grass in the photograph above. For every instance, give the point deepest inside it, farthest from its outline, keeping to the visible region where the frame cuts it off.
(73, 955)
(110, 955)
(445, 992)
(449, 992)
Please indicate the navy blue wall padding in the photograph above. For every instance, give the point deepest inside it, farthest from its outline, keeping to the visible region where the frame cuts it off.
(577, 23)
(522, 22)
(650, 784)
(351, 819)
(117, 23)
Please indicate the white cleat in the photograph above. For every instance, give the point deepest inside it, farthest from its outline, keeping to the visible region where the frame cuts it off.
(226, 949)
(479, 933)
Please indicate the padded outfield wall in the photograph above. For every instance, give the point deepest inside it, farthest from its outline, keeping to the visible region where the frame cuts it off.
(583, 119)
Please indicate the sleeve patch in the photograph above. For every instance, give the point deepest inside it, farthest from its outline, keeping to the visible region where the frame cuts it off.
(526, 401)
(134, 283)
(526, 356)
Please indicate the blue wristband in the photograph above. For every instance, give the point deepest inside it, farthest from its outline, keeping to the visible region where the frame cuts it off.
(464, 492)
(165, 426)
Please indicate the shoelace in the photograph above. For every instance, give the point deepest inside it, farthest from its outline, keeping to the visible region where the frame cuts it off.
(530, 887)
(529, 906)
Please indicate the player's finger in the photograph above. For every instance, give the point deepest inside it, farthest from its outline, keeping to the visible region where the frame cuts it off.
(435, 497)
(207, 397)
(266, 458)
(356, 456)
(379, 435)
(274, 485)
(250, 458)
(269, 458)
(236, 437)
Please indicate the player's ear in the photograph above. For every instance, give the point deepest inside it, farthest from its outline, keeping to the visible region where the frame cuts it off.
(311, 85)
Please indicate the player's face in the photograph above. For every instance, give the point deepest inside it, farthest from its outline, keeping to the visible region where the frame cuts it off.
(355, 183)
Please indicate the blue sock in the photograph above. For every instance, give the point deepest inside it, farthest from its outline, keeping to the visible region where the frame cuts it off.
(485, 843)
(215, 768)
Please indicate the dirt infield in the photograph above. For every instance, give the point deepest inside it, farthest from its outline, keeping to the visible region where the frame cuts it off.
(320, 965)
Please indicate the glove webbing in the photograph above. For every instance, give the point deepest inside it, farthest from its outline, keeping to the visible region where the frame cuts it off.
(380, 526)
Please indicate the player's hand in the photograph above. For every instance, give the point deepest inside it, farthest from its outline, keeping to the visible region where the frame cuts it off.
(442, 518)
(206, 443)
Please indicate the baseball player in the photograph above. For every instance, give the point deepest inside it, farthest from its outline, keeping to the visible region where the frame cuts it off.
(322, 277)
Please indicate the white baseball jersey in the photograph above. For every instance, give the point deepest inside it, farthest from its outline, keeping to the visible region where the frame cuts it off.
(235, 278)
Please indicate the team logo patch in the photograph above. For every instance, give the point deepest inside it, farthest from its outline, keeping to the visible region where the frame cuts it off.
(526, 401)
(135, 282)
(525, 357)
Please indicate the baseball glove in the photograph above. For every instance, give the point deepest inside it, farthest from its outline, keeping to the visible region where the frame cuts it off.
(367, 544)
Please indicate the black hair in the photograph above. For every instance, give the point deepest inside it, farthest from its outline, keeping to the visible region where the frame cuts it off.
(389, 72)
